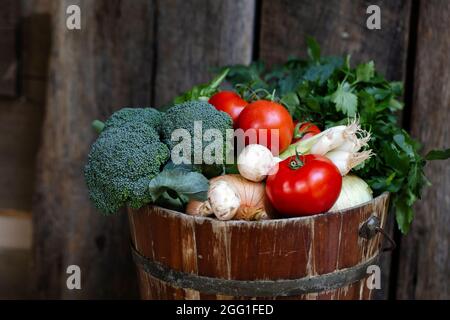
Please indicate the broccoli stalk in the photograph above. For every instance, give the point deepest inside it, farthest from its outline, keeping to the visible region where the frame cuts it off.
(98, 126)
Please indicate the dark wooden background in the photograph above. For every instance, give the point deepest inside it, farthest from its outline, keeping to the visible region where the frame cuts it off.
(142, 53)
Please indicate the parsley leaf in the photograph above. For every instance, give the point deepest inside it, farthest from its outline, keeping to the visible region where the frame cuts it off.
(438, 154)
(313, 48)
(365, 72)
(203, 91)
(345, 100)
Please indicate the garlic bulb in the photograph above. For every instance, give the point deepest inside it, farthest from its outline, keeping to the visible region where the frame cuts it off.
(255, 162)
(224, 199)
(355, 191)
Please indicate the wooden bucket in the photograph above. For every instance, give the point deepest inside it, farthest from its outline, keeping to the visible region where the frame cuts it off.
(319, 257)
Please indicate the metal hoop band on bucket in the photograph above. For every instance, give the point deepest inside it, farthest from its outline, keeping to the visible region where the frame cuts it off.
(261, 288)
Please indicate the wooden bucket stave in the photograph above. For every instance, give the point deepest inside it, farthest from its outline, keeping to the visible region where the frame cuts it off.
(318, 257)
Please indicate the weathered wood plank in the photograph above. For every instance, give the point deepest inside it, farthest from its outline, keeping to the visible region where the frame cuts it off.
(35, 52)
(9, 18)
(339, 27)
(9, 13)
(20, 126)
(424, 270)
(35, 7)
(21, 120)
(15, 273)
(106, 65)
(15, 229)
(195, 36)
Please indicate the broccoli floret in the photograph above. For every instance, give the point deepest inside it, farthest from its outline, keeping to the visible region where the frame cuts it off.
(149, 116)
(127, 154)
(183, 116)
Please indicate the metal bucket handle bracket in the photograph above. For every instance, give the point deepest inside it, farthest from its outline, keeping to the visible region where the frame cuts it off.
(371, 227)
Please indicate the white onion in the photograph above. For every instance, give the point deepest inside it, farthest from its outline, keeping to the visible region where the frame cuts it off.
(349, 138)
(331, 138)
(346, 161)
(355, 191)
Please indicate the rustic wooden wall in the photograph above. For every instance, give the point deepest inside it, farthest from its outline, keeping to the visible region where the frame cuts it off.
(9, 19)
(35, 43)
(144, 52)
(15, 254)
(24, 34)
(424, 269)
(340, 27)
(194, 36)
(21, 114)
(20, 125)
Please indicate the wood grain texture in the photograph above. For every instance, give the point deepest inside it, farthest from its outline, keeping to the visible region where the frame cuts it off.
(424, 270)
(20, 126)
(195, 36)
(9, 22)
(15, 273)
(35, 53)
(21, 119)
(93, 71)
(264, 250)
(340, 27)
(35, 7)
(15, 229)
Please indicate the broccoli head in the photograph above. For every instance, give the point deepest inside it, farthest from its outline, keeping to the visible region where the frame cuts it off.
(127, 154)
(183, 116)
(149, 116)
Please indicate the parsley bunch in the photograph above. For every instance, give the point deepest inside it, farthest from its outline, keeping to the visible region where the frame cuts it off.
(328, 91)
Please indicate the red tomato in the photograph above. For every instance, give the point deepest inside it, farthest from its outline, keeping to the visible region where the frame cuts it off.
(305, 130)
(263, 114)
(229, 102)
(310, 189)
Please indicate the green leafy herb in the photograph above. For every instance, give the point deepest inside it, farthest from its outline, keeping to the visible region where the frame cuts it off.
(313, 49)
(365, 72)
(438, 154)
(328, 90)
(344, 99)
(202, 91)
